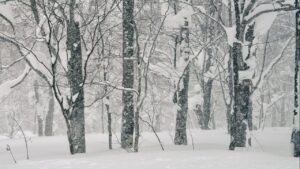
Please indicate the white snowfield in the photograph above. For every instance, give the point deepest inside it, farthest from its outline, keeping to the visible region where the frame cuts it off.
(271, 150)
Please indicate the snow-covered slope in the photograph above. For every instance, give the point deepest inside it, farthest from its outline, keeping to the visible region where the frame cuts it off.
(271, 150)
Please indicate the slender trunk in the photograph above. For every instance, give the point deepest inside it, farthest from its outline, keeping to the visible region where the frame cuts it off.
(40, 125)
(228, 117)
(261, 112)
(212, 119)
(158, 121)
(102, 117)
(128, 75)
(230, 74)
(207, 103)
(282, 113)
(274, 119)
(109, 126)
(229, 105)
(137, 129)
(50, 114)
(107, 106)
(39, 117)
(297, 75)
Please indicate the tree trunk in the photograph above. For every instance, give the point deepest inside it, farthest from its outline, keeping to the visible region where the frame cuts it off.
(49, 116)
(158, 121)
(207, 103)
(238, 126)
(296, 133)
(231, 89)
(181, 117)
(296, 77)
(40, 125)
(242, 116)
(76, 128)
(261, 111)
(128, 75)
(212, 119)
(107, 106)
(39, 118)
(109, 127)
(182, 101)
(228, 118)
(102, 117)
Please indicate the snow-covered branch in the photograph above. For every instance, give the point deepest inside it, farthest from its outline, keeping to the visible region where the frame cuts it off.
(6, 87)
(258, 83)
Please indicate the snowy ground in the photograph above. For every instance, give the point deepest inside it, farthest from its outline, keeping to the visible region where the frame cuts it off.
(271, 150)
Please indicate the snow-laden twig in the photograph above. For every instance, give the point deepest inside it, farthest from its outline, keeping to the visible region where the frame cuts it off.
(156, 135)
(11, 153)
(107, 83)
(24, 136)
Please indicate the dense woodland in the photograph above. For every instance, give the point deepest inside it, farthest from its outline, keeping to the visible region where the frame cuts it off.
(125, 67)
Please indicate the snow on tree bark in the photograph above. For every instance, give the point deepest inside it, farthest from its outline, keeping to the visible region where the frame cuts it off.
(76, 130)
(242, 115)
(128, 75)
(182, 100)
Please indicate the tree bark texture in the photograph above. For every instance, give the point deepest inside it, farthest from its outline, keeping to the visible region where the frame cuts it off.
(128, 75)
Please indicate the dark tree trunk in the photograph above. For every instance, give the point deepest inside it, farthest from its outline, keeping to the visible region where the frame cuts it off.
(76, 127)
(50, 114)
(297, 59)
(128, 75)
(230, 74)
(181, 117)
(107, 106)
(235, 119)
(231, 90)
(242, 116)
(102, 117)
(109, 127)
(207, 103)
(245, 113)
(228, 118)
(199, 114)
(296, 133)
(182, 101)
